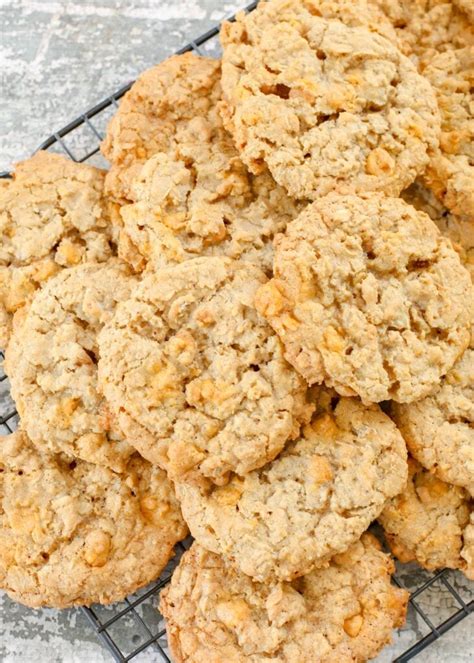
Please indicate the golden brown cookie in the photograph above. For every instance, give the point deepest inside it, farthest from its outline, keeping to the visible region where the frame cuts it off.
(162, 103)
(369, 297)
(467, 6)
(340, 614)
(52, 358)
(193, 196)
(52, 215)
(72, 533)
(425, 28)
(312, 502)
(195, 377)
(427, 523)
(439, 429)
(322, 105)
(450, 173)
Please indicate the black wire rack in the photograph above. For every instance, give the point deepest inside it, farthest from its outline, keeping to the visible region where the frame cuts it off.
(134, 627)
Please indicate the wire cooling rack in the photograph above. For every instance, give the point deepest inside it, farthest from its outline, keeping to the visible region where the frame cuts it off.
(134, 629)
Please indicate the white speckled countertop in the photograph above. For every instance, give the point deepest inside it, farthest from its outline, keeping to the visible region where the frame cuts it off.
(58, 58)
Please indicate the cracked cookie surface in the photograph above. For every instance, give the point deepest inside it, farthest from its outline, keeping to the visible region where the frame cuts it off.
(322, 105)
(439, 429)
(52, 358)
(425, 28)
(196, 377)
(369, 297)
(429, 522)
(343, 613)
(182, 90)
(52, 215)
(450, 173)
(73, 533)
(310, 503)
(199, 200)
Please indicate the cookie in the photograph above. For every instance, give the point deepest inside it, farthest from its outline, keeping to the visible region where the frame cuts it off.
(467, 6)
(459, 229)
(322, 105)
(73, 533)
(52, 358)
(354, 13)
(425, 28)
(312, 502)
(163, 102)
(201, 200)
(450, 173)
(52, 215)
(439, 429)
(369, 297)
(195, 377)
(427, 521)
(344, 613)
(467, 552)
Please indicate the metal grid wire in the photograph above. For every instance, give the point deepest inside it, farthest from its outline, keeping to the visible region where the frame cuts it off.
(134, 626)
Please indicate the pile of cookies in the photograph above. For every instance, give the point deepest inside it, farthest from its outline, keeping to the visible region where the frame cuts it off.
(242, 326)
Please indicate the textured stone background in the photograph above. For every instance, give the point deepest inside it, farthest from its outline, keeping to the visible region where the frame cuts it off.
(57, 59)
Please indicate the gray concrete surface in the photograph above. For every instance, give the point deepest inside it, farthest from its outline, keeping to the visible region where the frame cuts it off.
(58, 58)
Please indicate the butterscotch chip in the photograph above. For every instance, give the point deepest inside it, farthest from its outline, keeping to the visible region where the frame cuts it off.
(429, 522)
(196, 377)
(425, 28)
(52, 215)
(322, 105)
(51, 361)
(157, 110)
(382, 301)
(312, 502)
(439, 429)
(344, 613)
(450, 173)
(73, 533)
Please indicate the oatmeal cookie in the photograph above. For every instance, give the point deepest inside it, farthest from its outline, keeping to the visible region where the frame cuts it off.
(196, 377)
(52, 215)
(194, 196)
(51, 361)
(450, 173)
(322, 105)
(182, 90)
(341, 614)
(72, 533)
(459, 229)
(425, 28)
(467, 6)
(439, 429)
(426, 523)
(312, 502)
(369, 297)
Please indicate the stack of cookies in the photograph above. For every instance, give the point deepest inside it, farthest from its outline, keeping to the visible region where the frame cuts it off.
(242, 326)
